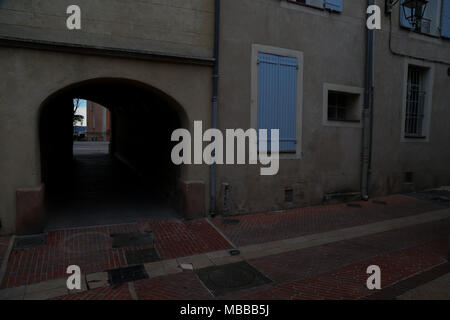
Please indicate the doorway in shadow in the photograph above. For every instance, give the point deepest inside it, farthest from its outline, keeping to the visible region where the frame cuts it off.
(106, 176)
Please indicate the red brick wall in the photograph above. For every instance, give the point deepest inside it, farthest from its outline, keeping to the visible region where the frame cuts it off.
(98, 122)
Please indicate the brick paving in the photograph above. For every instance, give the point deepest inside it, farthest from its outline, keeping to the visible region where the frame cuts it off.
(4, 244)
(349, 282)
(332, 271)
(309, 262)
(106, 293)
(398, 289)
(265, 227)
(90, 248)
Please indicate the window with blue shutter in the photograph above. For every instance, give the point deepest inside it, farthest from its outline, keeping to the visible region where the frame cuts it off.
(277, 98)
(431, 20)
(403, 21)
(445, 19)
(335, 5)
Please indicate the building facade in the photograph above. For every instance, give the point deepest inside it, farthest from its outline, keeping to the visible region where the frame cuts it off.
(146, 61)
(98, 122)
(321, 115)
(299, 66)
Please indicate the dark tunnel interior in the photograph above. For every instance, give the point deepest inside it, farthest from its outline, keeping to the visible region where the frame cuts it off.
(133, 180)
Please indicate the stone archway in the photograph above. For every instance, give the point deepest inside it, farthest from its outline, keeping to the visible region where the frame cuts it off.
(143, 119)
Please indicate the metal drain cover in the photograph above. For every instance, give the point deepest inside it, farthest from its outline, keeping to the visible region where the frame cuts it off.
(28, 242)
(142, 256)
(437, 196)
(231, 221)
(228, 278)
(133, 239)
(127, 274)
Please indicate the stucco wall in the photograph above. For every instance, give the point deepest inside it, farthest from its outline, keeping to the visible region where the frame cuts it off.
(333, 46)
(330, 159)
(333, 49)
(392, 157)
(178, 26)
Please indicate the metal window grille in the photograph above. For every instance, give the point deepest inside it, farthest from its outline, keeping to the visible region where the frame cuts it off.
(337, 107)
(415, 103)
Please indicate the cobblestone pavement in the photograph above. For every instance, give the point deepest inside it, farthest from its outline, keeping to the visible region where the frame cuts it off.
(413, 240)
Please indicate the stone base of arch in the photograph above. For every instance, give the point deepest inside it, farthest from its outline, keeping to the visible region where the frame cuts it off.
(192, 199)
(30, 210)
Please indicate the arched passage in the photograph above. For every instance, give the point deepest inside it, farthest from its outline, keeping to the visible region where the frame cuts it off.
(134, 180)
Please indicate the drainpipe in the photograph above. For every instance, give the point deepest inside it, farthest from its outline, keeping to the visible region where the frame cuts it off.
(368, 112)
(212, 182)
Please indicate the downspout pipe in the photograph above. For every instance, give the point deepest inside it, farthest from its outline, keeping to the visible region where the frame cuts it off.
(212, 182)
(368, 111)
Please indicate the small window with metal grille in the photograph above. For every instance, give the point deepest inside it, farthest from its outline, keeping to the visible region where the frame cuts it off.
(415, 103)
(343, 106)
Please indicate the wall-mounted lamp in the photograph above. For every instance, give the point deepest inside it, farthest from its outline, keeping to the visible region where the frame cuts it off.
(413, 10)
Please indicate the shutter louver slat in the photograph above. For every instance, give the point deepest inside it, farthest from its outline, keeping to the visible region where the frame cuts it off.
(445, 19)
(335, 5)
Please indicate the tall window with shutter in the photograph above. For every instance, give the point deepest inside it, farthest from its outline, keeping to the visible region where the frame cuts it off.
(277, 98)
(445, 19)
(436, 18)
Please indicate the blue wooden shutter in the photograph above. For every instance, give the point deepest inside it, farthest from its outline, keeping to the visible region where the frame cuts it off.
(403, 21)
(445, 19)
(431, 14)
(277, 98)
(335, 5)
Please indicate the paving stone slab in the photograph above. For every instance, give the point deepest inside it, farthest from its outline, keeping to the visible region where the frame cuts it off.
(46, 294)
(28, 242)
(132, 239)
(127, 274)
(15, 293)
(142, 256)
(47, 285)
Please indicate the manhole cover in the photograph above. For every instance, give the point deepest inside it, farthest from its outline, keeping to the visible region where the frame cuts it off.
(134, 239)
(231, 221)
(231, 277)
(127, 274)
(437, 196)
(354, 205)
(28, 242)
(142, 256)
(228, 278)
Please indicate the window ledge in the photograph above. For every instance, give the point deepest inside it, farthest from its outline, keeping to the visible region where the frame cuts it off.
(305, 5)
(416, 137)
(419, 35)
(343, 120)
